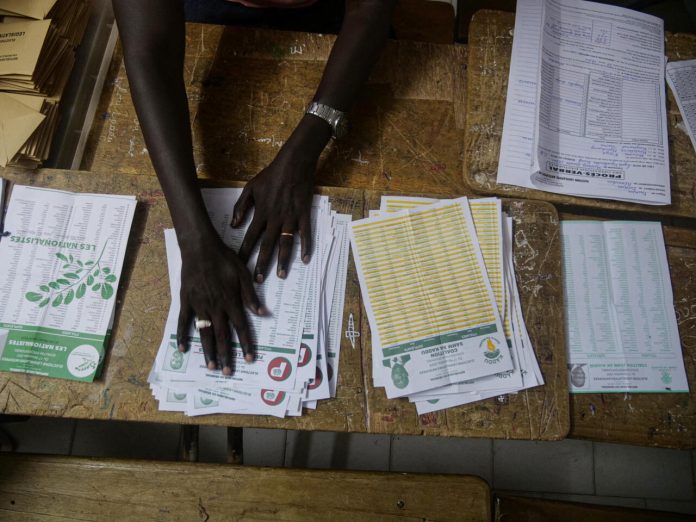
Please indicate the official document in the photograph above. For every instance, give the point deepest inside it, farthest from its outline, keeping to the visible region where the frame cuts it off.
(432, 312)
(585, 112)
(681, 77)
(621, 324)
(60, 266)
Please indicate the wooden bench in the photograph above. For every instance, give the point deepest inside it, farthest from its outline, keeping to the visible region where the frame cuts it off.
(519, 509)
(43, 488)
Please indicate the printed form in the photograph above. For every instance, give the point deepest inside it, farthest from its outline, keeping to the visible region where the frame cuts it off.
(681, 77)
(61, 264)
(431, 308)
(621, 323)
(585, 113)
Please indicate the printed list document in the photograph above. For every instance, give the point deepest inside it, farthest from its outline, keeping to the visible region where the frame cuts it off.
(585, 113)
(681, 77)
(432, 312)
(621, 324)
(60, 265)
(291, 368)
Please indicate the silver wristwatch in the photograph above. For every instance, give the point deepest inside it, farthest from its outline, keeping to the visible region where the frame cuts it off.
(337, 119)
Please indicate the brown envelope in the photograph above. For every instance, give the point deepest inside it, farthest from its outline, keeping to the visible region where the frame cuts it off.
(20, 46)
(37, 9)
(17, 123)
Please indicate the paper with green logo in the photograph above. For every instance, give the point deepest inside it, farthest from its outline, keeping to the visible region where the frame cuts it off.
(60, 264)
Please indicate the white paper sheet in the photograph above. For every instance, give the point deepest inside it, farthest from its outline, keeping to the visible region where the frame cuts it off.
(621, 325)
(681, 77)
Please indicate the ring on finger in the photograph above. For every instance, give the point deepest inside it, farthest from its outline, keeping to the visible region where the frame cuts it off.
(290, 234)
(202, 323)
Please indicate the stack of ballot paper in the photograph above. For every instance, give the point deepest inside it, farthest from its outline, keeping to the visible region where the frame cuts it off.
(439, 287)
(61, 259)
(297, 345)
(586, 112)
(37, 52)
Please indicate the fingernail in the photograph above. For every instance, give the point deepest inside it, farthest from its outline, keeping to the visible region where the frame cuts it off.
(227, 370)
(262, 310)
(211, 365)
(282, 273)
(259, 278)
(182, 347)
(249, 358)
(305, 259)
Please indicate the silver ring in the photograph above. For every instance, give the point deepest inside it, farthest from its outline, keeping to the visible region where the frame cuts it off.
(287, 234)
(202, 323)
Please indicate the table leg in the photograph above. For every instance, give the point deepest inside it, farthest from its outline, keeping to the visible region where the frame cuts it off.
(188, 443)
(235, 445)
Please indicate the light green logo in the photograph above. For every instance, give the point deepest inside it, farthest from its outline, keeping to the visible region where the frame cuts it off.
(399, 374)
(666, 377)
(174, 360)
(76, 280)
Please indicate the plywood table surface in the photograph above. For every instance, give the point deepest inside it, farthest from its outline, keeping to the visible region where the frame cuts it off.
(248, 88)
(490, 47)
(42, 488)
(122, 392)
(664, 420)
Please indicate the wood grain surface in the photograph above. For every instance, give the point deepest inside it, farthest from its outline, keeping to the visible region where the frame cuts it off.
(52, 488)
(122, 391)
(663, 420)
(519, 509)
(490, 46)
(248, 88)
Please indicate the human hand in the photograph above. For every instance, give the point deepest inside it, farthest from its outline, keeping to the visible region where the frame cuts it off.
(281, 195)
(216, 286)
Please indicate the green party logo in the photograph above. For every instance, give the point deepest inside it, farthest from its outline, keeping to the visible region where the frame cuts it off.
(399, 374)
(77, 279)
(492, 352)
(666, 377)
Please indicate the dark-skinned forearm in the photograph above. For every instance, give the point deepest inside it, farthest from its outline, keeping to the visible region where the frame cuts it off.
(363, 34)
(153, 39)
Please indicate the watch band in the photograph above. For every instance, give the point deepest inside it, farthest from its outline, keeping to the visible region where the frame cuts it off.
(337, 119)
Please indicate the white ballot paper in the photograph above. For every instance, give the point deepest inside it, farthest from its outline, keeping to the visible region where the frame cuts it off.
(681, 77)
(621, 323)
(288, 364)
(494, 234)
(585, 113)
(60, 265)
(432, 312)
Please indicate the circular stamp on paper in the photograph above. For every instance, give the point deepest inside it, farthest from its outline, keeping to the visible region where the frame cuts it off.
(83, 361)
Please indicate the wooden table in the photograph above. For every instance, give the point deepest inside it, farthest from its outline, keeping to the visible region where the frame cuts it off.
(490, 47)
(42, 488)
(248, 88)
(122, 391)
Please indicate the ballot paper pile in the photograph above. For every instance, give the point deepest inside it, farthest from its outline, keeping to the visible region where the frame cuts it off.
(61, 258)
(439, 287)
(37, 52)
(297, 345)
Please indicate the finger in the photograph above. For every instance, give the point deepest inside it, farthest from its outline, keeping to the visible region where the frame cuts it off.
(207, 336)
(249, 297)
(183, 326)
(244, 203)
(266, 252)
(241, 326)
(286, 241)
(252, 235)
(306, 237)
(222, 342)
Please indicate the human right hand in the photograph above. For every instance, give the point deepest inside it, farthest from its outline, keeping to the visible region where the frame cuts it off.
(216, 286)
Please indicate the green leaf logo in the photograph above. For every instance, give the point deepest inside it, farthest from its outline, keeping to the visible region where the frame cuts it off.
(73, 284)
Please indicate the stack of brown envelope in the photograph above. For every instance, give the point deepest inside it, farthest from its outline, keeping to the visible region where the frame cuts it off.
(37, 53)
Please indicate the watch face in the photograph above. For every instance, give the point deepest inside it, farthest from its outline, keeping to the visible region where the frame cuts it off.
(342, 127)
